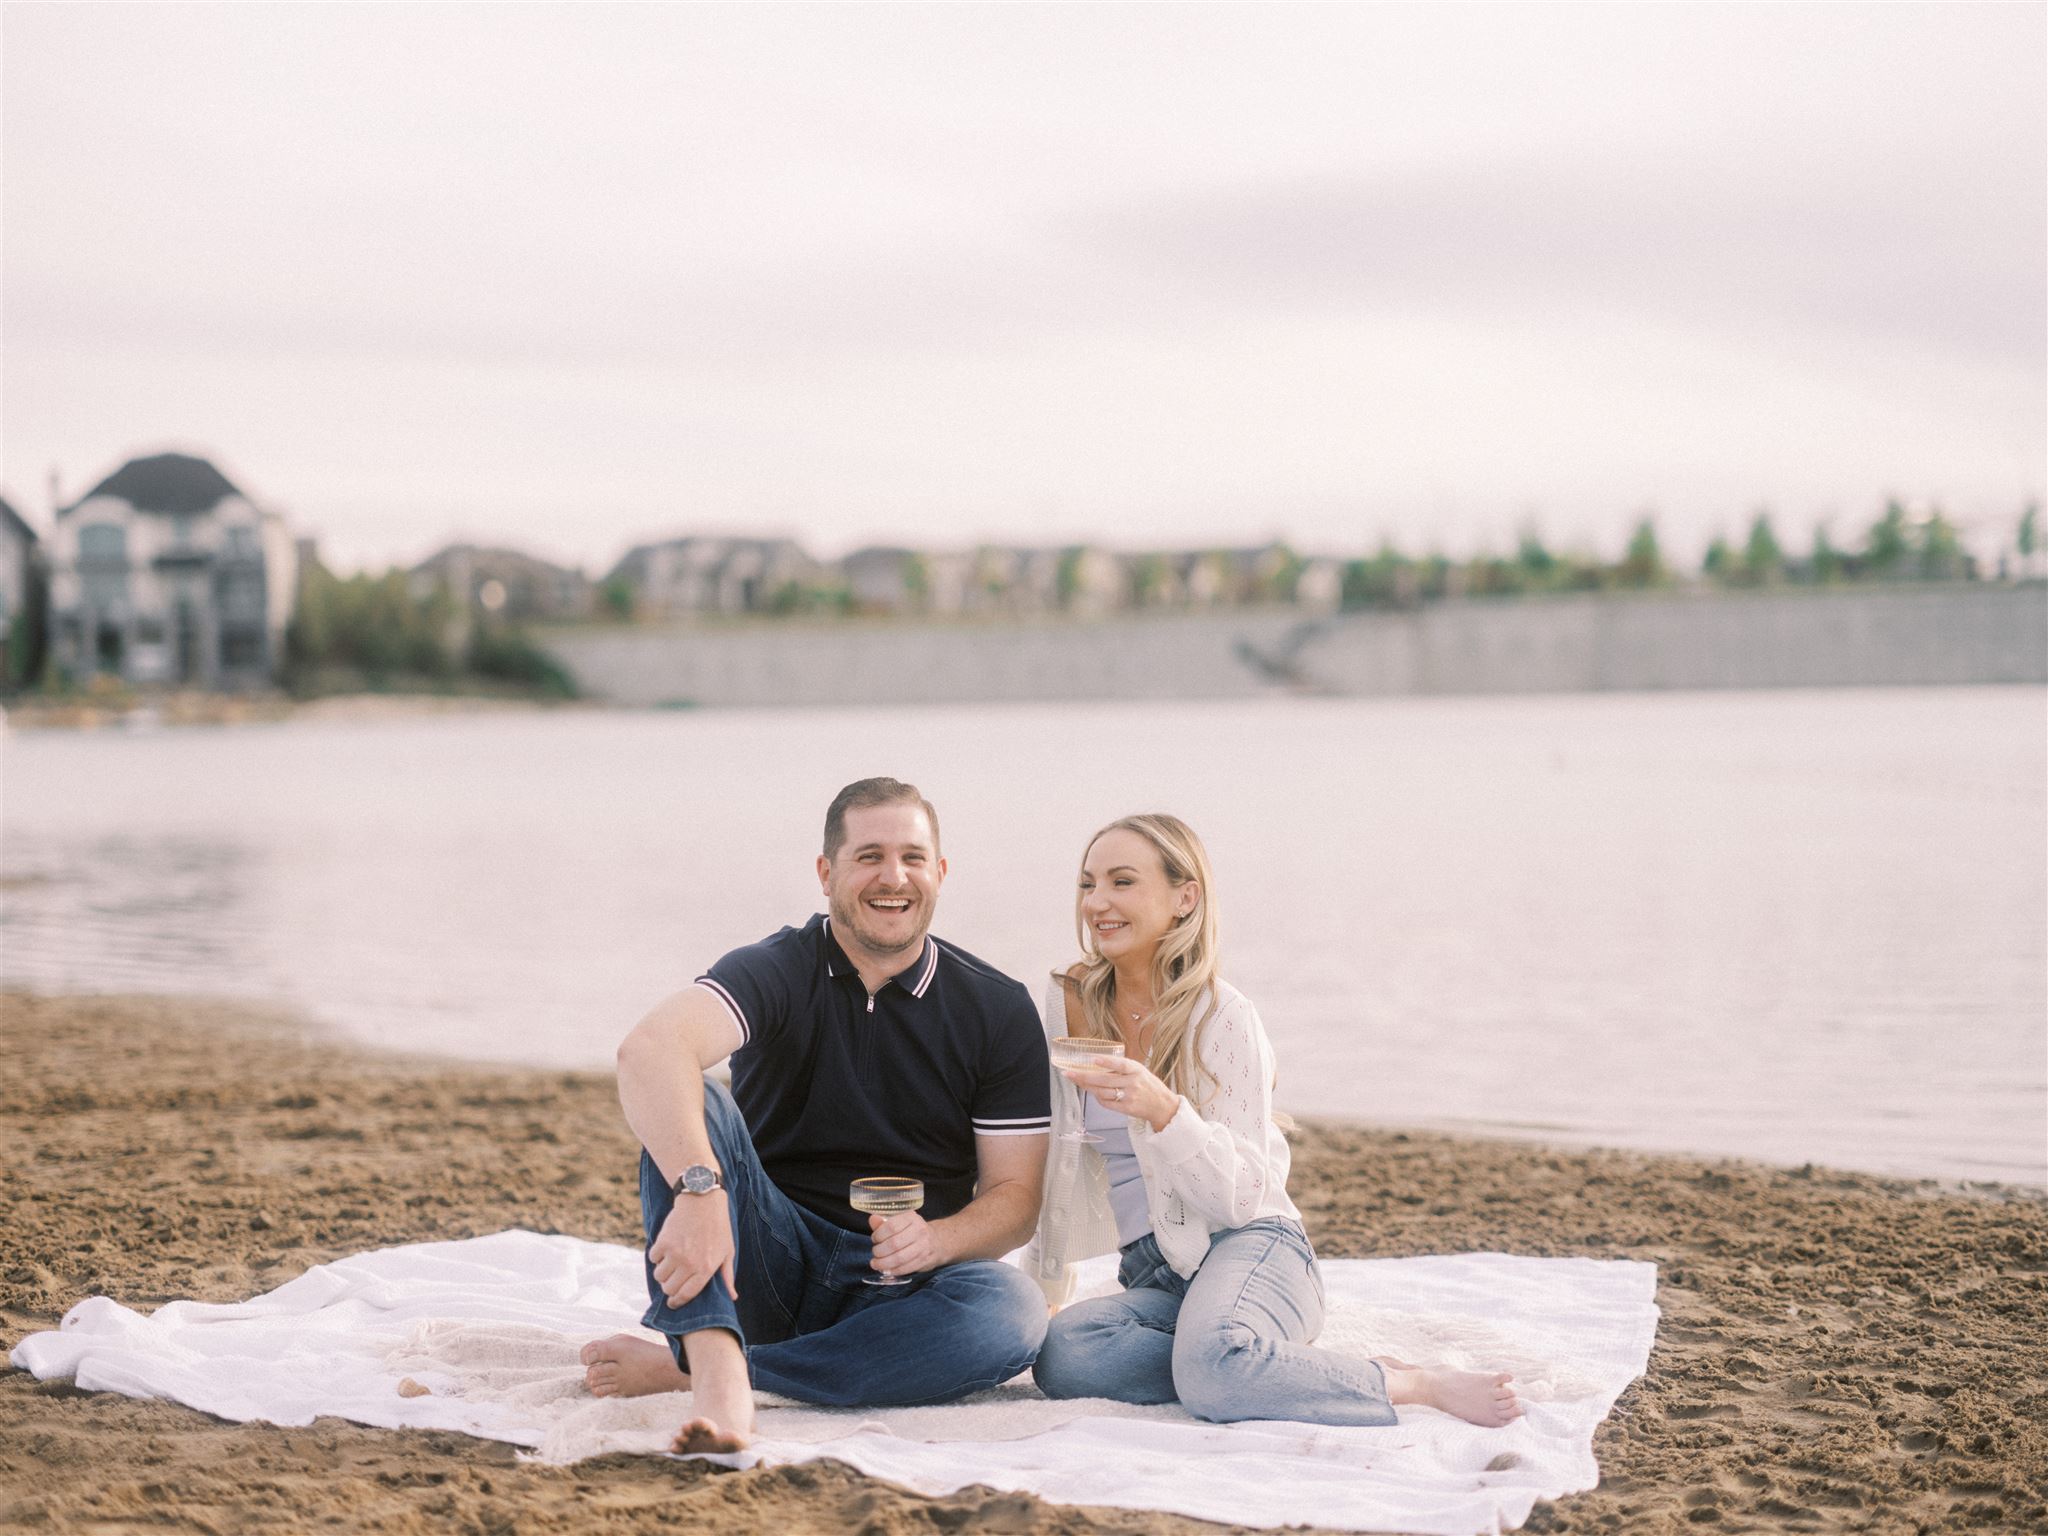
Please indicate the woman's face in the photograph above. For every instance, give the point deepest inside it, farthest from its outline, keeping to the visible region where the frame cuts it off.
(1126, 899)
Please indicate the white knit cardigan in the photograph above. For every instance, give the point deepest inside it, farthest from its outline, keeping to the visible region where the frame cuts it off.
(1209, 1170)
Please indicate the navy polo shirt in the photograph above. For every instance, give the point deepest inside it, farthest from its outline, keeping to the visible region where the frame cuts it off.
(836, 1085)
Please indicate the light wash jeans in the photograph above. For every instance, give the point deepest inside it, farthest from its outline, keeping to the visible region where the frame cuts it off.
(811, 1330)
(1232, 1343)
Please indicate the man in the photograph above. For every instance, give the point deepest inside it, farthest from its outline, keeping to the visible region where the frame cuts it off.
(860, 1045)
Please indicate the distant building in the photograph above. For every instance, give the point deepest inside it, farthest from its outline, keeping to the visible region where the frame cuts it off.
(1153, 579)
(166, 573)
(885, 579)
(1204, 577)
(1319, 585)
(1030, 578)
(506, 583)
(1091, 582)
(710, 575)
(21, 594)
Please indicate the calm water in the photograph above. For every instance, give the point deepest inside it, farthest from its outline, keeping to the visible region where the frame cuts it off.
(1793, 926)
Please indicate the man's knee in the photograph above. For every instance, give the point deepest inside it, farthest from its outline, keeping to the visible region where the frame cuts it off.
(1208, 1367)
(1003, 1321)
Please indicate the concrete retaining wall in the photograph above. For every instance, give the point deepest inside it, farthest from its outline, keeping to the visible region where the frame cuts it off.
(1893, 636)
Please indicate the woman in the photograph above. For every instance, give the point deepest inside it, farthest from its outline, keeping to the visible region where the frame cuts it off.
(1221, 1296)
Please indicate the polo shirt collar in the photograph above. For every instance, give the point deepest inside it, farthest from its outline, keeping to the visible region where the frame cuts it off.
(915, 979)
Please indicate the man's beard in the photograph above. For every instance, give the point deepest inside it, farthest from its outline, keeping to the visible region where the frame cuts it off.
(849, 915)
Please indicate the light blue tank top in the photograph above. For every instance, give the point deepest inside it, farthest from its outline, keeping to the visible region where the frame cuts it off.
(1126, 1179)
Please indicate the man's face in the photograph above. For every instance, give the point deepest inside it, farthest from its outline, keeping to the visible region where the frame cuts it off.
(882, 886)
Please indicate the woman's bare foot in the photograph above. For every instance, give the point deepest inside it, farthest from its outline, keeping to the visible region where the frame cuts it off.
(1485, 1398)
(626, 1366)
(724, 1396)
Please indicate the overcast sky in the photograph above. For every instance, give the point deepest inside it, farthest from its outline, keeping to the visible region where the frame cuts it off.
(571, 276)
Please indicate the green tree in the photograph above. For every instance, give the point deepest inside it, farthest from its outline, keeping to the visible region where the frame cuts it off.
(1539, 567)
(617, 597)
(1384, 580)
(1643, 564)
(1763, 560)
(1719, 560)
(1279, 570)
(1490, 576)
(1940, 554)
(372, 626)
(1885, 554)
(1150, 576)
(1580, 571)
(2029, 538)
(917, 580)
(502, 652)
(1066, 578)
(1434, 576)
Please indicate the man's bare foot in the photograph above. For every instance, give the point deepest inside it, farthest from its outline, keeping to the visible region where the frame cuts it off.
(724, 1396)
(626, 1366)
(701, 1437)
(1485, 1398)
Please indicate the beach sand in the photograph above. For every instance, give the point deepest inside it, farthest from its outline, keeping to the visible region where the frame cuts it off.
(1838, 1352)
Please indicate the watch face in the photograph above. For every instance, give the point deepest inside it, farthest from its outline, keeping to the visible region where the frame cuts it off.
(699, 1180)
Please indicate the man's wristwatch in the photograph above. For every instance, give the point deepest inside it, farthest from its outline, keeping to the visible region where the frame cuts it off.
(696, 1180)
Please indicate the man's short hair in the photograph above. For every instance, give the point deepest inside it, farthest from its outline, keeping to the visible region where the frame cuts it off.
(863, 793)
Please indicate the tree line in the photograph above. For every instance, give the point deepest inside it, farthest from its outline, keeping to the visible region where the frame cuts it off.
(385, 633)
(1896, 547)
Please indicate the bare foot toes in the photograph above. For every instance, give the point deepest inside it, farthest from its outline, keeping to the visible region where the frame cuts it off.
(701, 1437)
(625, 1366)
(1485, 1398)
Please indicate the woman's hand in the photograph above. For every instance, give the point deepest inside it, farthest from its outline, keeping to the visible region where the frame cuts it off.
(1128, 1087)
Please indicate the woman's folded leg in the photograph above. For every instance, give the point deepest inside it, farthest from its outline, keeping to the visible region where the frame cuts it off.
(1242, 1348)
(1117, 1347)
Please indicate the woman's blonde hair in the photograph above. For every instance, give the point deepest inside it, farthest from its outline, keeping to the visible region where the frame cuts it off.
(1183, 967)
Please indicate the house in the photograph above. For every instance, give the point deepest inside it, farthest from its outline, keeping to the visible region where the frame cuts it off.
(21, 597)
(1203, 577)
(1033, 584)
(505, 582)
(1319, 585)
(884, 579)
(1091, 582)
(165, 572)
(711, 575)
(1153, 579)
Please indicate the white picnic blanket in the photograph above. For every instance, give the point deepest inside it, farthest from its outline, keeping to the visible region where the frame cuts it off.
(490, 1328)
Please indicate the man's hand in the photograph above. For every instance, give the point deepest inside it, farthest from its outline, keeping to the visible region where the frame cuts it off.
(694, 1243)
(905, 1244)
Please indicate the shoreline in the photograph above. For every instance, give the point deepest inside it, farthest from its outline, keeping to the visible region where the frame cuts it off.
(186, 709)
(1839, 1351)
(1554, 1140)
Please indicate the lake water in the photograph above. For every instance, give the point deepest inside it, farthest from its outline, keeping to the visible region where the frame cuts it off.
(1792, 926)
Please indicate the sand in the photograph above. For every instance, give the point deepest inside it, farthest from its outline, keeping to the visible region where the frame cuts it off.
(1839, 1352)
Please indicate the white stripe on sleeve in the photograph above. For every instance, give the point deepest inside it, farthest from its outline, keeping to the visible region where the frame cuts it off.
(1033, 1125)
(732, 1005)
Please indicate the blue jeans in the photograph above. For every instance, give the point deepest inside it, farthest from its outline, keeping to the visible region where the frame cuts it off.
(1232, 1343)
(810, 1328)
